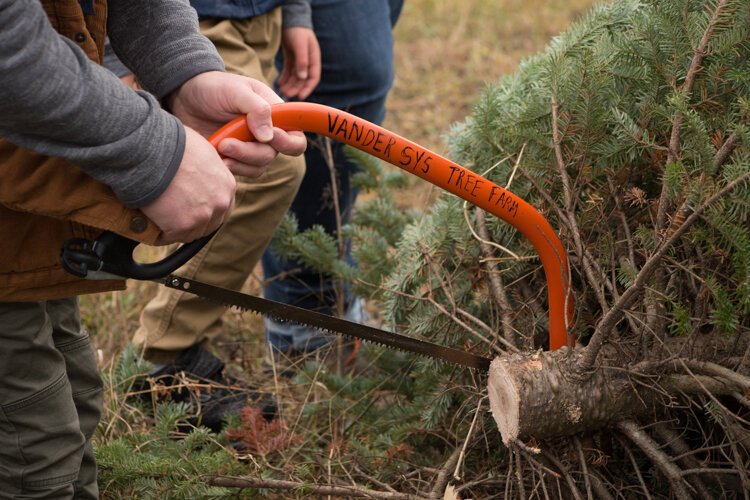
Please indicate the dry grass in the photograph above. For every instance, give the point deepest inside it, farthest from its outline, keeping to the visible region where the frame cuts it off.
(447, 51)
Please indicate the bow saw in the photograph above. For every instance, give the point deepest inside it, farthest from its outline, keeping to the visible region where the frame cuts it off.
(110, 256)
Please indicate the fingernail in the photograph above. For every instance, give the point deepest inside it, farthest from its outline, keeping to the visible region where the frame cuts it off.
(302, 75)
(265, 133)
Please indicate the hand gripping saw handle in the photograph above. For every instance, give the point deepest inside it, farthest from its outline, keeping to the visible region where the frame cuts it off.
(110, 255)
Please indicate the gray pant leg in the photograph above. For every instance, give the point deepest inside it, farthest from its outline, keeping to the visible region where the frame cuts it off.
(85, 381)
(42, 365)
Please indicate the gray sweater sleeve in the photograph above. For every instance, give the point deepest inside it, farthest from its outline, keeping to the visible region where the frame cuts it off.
(297, 13)
(161, 42)
(57, 102)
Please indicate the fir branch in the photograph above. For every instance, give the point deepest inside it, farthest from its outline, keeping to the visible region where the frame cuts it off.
(699, 54)
(709, 386)
(717, 371)
(744, 366)
(682, 450)
(446, 287)
(565, 473)
(444, 475)
(338, 283)
(655, 317)
(610, 319)
(701, 51)
(584, 467)
(733, 430)
(467, 440)
(458, 321)
(317, 489)
(519, 470)
(497, 289)
(585, 257)
(557, 142)
(726, 150)
(636, 468)
(660, 459)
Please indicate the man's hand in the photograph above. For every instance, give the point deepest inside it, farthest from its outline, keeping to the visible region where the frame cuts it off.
(209, 100)
(199, 198)
(302, 66)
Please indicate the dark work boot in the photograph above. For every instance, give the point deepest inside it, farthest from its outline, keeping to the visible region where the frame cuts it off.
(197, 377)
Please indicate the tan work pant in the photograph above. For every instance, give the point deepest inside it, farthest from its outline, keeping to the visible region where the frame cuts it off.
(173, 320)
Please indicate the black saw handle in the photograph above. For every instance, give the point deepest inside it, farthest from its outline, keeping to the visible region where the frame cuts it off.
(110, 256)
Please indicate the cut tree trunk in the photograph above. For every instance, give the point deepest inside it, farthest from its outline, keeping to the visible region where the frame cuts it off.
(539, 395)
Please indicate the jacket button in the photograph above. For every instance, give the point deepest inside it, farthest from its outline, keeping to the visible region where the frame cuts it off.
(80, 37)
(138, 224)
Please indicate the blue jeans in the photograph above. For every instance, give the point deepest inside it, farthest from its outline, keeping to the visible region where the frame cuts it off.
(356, 44)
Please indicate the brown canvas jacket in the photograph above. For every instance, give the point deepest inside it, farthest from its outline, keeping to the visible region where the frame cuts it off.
(45, 201)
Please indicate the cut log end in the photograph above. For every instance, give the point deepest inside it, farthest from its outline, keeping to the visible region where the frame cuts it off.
(504, 400)
(539, 395)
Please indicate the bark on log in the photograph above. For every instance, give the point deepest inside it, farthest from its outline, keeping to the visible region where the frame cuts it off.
(543, 395)
(539, 395)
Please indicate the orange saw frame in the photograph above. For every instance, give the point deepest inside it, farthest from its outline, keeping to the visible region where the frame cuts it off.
(445, 174)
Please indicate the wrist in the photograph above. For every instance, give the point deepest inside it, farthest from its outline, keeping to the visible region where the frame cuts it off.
(176, 99)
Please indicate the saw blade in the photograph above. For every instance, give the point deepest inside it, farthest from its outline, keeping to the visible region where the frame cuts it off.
(286, 312)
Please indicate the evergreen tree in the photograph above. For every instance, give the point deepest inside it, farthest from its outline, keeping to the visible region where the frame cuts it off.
(630, 132)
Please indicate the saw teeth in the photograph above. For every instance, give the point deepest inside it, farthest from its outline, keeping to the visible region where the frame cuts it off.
(412, 346)
(280, 319)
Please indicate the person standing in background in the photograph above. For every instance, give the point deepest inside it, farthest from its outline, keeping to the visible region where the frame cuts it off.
(356, 45)
(176, 328)
(334, 52)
